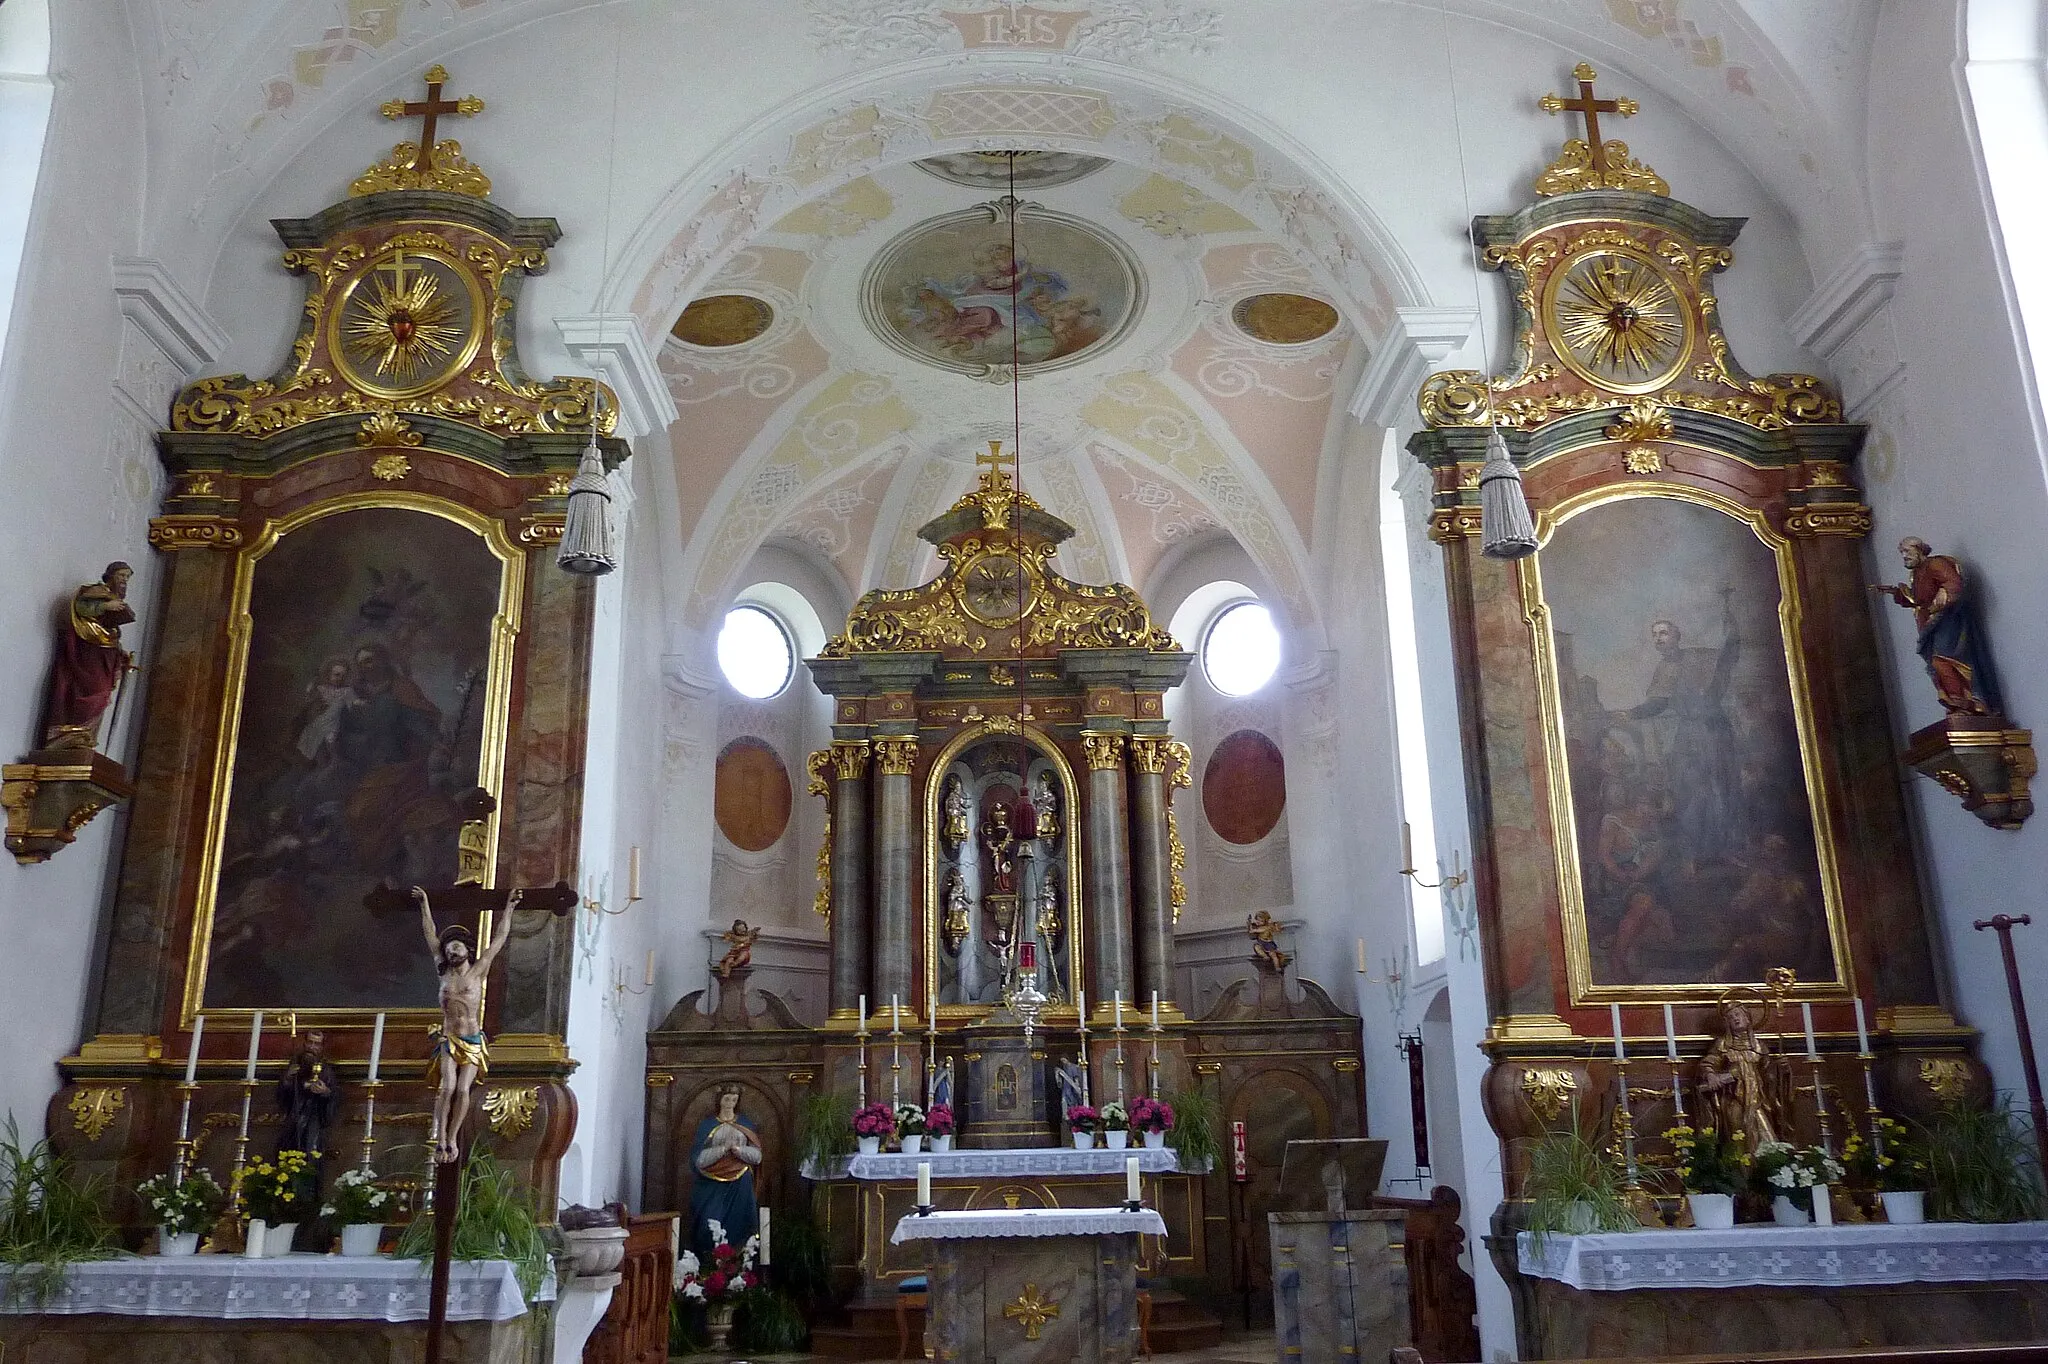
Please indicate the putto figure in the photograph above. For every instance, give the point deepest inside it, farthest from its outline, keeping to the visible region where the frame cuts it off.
(1264, 931)
(460, 1053)
(1952, 643)
(739, 950)
(90, 661)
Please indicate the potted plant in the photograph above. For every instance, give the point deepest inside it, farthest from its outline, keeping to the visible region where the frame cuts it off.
(1153, 1118)
(1114, 1122)
(357, 1205)
(1788, 1175)
(50, 1219)
(824, 1134)
(1573, 1186)
(1889, 1163)
(1980, 1166)
(721, 1286)
(1081, 1121)
(938, 1125)
(1712, 1169)
(495, 1219)
(276, 1196)
(1197, 1117)
(910, 1128)
(873, 1125)
(183, 1211)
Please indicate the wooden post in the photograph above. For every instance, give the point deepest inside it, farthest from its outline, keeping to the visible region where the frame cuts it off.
(2003, 925)
(447, 1203)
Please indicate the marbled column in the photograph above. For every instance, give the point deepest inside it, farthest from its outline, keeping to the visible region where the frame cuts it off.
(1151, 865)
(895, 843)
(849, 873)
(1109, 870)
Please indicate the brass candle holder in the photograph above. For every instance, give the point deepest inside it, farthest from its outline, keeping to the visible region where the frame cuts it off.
(370, 1088)
(187, 1147)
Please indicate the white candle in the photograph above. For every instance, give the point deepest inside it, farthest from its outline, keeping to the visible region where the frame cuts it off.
(1620, 1051)
(863, 1013)
(1407, 858)
(1119, 1010)
(192, 1056)
(1361, 956)
(761, 1256)
(650, 968)
(1155, 1011)
(1806, 1014)
(1670, 1036)
(633, 873)
(924, 1184)
(1081, 1006)
(895, 1013)
(1131, 1179)
(255, 1043)
(377, 1046)
(1862, 1032)
(935, 1013)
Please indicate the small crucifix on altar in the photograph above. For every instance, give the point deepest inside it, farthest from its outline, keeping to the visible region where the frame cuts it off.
(1590, 109)
(429, 111)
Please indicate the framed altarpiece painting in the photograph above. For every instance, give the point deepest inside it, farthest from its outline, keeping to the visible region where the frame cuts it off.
(1682, 782)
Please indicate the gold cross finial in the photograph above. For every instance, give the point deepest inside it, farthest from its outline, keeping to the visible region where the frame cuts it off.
(1031, 1309)
(428, 163)
(429, 111)
(1590, 162)
(1590, 109)
(996, 461)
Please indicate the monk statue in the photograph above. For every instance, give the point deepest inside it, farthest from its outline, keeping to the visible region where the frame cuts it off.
(723, 1159)
(1735, 1078)
(1951, 637)
(1001, 842)
(309, 1097)
(460, 1053)
(90, 661)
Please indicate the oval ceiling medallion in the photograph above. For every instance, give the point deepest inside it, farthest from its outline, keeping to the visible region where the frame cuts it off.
(719, 320)
(991, 170)
(949, 292)
(1284, 319)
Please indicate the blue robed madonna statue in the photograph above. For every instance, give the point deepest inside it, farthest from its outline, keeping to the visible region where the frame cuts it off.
(723, 1158)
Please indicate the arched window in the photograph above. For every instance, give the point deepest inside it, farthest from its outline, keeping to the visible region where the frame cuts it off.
(755, 652)
(1241, 648)
(1426, 904)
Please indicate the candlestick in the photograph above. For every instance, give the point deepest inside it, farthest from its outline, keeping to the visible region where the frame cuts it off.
(1620, 1051)
(1132, 1192)
(370, 1088)
(633, 873)
(255, 1044)
(181, 1158)
(1625, 1116)
(895, 1055)
(862, 1031)
(1820, 1107)
(762, 1255)
(1806, 1016)
(924, 1186)
(192, 1054)
(1081, 1007)
(1119, 1030)
(1670, 1037)
(377, 1046)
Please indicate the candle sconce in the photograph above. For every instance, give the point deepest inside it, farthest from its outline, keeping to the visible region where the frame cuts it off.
(616, 998)
(1457, 878)
(590, 924)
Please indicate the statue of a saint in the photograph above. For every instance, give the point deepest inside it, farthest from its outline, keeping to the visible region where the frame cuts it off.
(460, 1053)
(1001, 843)
(309, 1096)
(739, 949)
(723, 1158)
(90, 661)
(942, 1084)
(959, 911)
(1264, 931)
(1073, 1083)
(1050, 927)
(1951, 639)
(1735, 1077)
(1046, 801)
(959, 822)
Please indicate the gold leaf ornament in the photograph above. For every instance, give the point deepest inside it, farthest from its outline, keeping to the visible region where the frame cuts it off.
(510, 1110)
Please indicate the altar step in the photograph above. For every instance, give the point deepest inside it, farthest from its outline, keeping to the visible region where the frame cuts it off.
(870, 1330)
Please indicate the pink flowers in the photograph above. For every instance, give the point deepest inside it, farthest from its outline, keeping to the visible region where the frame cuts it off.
(1083, 1118)
(939, 1120)
(1152, 1115)
(876, 1120)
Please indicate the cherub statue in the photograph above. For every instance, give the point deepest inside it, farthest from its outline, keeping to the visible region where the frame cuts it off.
(460, 1053)
(1264, 930)
(1046, 801)
(739, 950)
(958, 811)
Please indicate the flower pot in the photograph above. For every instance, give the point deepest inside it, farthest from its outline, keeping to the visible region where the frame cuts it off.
(913, 1143)
(1084, 1141)
(360, 1238)
(277, 1240)
(1823, 1205)
(170, 1242)
(1155, 1141)
(940, 1145)
(870, 1145)
(718, 1318)
(1786, 1213)
(1712, 1211)
(1581, 1220)
(1116, 1141)
(252, 1239)
(1904, 1205)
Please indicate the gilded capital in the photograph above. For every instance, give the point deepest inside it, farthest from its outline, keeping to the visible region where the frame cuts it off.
(1104, 750)
(850, 758)
(1149, 753)
(896, 754)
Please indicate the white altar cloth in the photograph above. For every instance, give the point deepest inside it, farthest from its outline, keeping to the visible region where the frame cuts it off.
(999, 1222)
(1020, 1163)
(294, 1287)
(1765, 1255)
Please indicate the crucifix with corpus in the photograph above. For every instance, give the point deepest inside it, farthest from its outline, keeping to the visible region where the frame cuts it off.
(429, 111)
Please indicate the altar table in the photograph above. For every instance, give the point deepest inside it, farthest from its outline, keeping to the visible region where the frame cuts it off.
(241, 1311)
(1031, 1285)
(1755, 1287)
(1016, 1163)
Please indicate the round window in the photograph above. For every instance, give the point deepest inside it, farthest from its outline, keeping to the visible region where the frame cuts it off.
(1242, 650)
(754, 653)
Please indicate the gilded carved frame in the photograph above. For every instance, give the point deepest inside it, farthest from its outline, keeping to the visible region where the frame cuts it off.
(491, 759)
(1043, 744)
(1563, 812)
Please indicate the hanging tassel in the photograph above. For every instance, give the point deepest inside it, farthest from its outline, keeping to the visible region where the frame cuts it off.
(1505, 528)
(587, 529)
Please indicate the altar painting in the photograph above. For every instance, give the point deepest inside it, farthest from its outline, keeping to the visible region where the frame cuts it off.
(363, 706)
(1699, 862)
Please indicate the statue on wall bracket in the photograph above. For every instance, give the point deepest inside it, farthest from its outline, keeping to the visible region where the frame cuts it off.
(1975, 753)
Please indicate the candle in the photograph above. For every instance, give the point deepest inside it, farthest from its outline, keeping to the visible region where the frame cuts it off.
(863, 1013)
(1361, 956)
(650, 968)
(1806, 1015)
(1620, 1051)
(924, 1184)
(1119, 1010)
(1030, 961)
(1407, 864)
(761, 1255)
(1081, 1006)
(1670, 1036)
(1155, 1011)
(895, 1011)
(633, 873)
(1131, 1179)
(255, 1044)
(935, 1013)
(192, 1056)
(376, 1046)
(1862, 1032)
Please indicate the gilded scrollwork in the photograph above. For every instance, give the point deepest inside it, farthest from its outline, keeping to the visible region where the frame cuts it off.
(1176, 863)
(1148, 753)
(1946, 1076)
(849, 758)
(1548, 1089)
(1851, 520)
(93, 1109)
(175, 532)
(510, 1109)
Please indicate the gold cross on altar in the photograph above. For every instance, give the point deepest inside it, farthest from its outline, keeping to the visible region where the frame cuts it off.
(1590, 109)
(996, 461)
(1031, 1309)
(429, 111)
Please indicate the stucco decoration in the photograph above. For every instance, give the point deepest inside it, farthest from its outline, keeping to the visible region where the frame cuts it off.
(993, 170)
(1111, 30)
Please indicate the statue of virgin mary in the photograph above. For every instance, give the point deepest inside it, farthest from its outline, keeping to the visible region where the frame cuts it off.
(723, 1158)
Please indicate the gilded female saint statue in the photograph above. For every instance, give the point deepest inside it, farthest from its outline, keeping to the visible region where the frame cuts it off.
(1736, 1077)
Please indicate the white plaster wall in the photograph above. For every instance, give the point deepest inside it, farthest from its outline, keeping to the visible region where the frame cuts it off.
(71, 506)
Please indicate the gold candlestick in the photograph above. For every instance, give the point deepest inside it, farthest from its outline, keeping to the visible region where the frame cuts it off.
(370, 1088)
(1820, 1109)
(187, 1147)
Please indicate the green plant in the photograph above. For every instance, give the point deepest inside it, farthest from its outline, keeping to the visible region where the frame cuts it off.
(683, 1320)
(1196, 1118)
(496, 1221)
(1573, 1186)
(1706, 1162)
(1980, 1166)
(1901, 1166)
(279, 1191)
(768, 1322)
(191, 1206)
(49, 1219)
(824, 1131)
(803, 1262)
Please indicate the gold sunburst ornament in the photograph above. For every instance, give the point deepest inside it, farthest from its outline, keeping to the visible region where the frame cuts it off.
(406, 326)
(1620, 321)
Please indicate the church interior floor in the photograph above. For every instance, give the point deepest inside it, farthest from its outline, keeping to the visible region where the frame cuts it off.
(1255, 1348)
